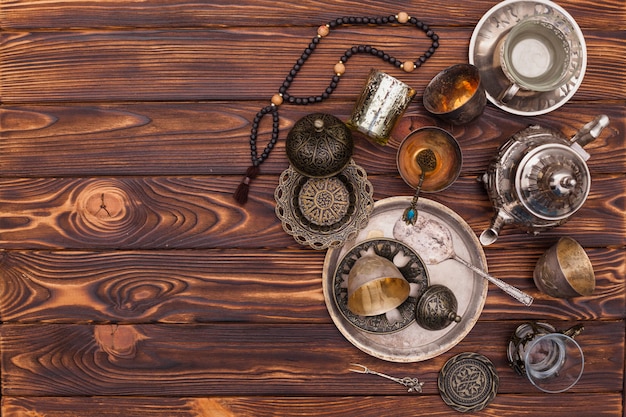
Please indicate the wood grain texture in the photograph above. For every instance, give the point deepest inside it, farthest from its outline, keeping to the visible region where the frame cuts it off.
(131, 283)
(373, 405)
(256, 286)
(199, 212)
(231, 359)
(196, 138)
(163, 13)
(216, 64)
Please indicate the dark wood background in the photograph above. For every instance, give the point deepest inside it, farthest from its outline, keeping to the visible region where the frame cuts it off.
(132, 284)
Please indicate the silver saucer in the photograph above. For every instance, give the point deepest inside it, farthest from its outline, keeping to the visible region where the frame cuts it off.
(486, 42)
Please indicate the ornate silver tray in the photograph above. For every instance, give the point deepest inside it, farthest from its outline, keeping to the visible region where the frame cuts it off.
(412, 268)
(413, 343)
(485, 44)
(324, 212)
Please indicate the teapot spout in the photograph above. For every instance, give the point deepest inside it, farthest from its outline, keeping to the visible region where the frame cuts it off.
(490, 235)
(589, 132)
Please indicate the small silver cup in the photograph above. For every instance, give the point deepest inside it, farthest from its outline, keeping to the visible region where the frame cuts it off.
(456, 94)
(382, 102)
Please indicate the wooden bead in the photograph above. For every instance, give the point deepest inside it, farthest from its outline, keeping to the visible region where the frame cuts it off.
(277, 99)
(339, 68)
(402, 17)
(323, 31)
(408, 66)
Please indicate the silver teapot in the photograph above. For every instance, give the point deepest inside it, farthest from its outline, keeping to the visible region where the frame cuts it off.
(539, 178)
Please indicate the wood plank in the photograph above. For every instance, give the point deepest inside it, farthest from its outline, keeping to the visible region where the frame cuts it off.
(162, 13)
(203, 64)
(504, 405)
(244, 286)
(197, 138)
(200, 213)
(230, 359)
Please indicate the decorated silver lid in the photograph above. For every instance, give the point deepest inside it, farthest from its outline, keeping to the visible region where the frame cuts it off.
(319, 145)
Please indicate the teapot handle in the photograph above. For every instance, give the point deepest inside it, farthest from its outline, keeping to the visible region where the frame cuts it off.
(589, 132)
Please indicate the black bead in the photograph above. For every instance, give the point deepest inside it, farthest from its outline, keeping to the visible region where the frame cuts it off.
(289, 78)
(428, 54)
(435, 37)
(435, 44)
(425, 28)
(345, 20)
(431, 50)
(336, 78)
(392, 60)
(379, 21)
(430, 33)
(291, 99)
(333, 24)
(368, 48)
(282, 90)
(325, 94)
(419, 24)
(297, 67)
(361, 48)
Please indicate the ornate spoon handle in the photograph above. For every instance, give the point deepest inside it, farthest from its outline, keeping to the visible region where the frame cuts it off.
(514, 292)
(413, 385)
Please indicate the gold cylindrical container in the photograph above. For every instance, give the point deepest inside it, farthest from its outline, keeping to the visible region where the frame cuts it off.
(382, 102)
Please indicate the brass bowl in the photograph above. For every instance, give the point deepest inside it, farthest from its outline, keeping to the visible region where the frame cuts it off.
(447, 152)
(375, 286)
(456, 94)
(565, 271)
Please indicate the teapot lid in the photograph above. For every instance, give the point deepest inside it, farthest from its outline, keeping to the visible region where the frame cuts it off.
(552, 181)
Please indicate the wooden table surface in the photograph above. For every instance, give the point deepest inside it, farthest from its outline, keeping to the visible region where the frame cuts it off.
(132, 283)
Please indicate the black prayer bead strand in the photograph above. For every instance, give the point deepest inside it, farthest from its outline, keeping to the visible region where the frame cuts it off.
(402, 18)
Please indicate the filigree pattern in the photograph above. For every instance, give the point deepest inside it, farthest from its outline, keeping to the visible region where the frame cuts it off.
(468, 382)
(413, 270)
(291, 210)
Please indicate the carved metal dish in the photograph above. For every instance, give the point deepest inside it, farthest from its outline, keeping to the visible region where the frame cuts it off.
(468, 382)
(414, 343)
(410, 265)
(324, 212)
(485, 45)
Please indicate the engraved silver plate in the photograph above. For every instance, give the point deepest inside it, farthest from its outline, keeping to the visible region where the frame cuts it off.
(468, 382)
(324, 212)
(414, 343)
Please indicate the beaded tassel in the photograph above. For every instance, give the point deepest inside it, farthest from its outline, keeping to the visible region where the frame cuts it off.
(241, 194)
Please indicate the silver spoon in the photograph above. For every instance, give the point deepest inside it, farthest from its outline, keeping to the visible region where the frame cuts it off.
(433, 241)
(427, 162)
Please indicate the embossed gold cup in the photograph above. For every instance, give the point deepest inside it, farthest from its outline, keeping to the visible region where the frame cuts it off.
(375, 286)
(565, 271)
(382, 102)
